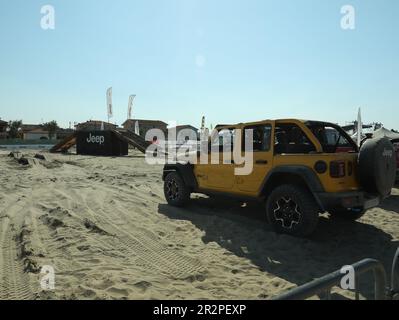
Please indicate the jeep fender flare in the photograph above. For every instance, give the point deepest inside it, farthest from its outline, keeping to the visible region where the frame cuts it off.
(306, 175)
(186, 171)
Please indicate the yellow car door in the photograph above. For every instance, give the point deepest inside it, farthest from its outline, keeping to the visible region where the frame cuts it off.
(262, 157)
(218, 173)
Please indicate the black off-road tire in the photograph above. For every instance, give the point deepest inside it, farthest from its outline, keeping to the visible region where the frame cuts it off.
(300, 214)
(176, 192)
(350, 215)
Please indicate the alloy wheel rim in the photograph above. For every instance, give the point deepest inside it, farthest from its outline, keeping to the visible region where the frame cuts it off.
(287, 212)
(172, 189)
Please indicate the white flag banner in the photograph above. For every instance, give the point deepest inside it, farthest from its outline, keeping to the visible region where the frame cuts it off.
(130, 106)
(137, 128)
(109, 102)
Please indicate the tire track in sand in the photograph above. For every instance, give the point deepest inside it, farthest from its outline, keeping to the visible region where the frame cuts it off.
(148, 250)
(14, 282)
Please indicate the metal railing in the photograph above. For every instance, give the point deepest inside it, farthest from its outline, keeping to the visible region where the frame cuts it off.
(394, 290)
(323, 286)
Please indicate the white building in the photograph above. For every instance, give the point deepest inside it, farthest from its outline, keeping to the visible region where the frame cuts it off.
(38, 134)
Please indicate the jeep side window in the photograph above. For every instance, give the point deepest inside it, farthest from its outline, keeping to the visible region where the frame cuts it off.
(223, 140)
(261, 137)
(290, 139)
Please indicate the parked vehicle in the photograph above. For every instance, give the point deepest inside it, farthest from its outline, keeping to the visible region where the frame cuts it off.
(300, 169)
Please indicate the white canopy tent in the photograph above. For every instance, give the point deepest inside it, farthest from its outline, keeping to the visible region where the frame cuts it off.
(380, 133)
(383, 132)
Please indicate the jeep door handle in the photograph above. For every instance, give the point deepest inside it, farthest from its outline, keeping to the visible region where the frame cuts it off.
(262, 162)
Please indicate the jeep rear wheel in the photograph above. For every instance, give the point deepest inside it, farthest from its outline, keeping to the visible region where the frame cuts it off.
(292, 210)
(176, 192)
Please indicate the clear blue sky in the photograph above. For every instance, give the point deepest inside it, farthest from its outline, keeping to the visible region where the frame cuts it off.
(230, 60)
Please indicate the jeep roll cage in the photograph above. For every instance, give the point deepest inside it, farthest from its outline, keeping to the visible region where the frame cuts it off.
(311, 126)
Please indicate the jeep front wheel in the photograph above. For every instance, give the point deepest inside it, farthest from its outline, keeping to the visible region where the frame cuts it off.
(176, 192)
(292, 210)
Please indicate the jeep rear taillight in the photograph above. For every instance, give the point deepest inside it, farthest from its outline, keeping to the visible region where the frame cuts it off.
(337, 169)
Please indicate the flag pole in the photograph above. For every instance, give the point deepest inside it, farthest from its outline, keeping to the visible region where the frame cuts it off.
(359, 127)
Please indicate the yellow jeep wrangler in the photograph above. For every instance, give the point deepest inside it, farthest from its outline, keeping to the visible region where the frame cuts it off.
(299, 169)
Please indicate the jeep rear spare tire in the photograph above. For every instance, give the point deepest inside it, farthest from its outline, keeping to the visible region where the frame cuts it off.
(292, 210)
(176, 192)
(377, 166)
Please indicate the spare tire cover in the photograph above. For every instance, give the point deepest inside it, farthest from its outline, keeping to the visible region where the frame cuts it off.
(377, 166)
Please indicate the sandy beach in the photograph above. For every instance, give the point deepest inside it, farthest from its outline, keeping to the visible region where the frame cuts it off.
(104, 226)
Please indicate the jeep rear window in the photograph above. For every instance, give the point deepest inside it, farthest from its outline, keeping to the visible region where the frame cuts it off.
(331, 140)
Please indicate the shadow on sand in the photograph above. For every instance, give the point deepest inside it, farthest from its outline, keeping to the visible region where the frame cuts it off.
(391, 204)
(244, 232)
